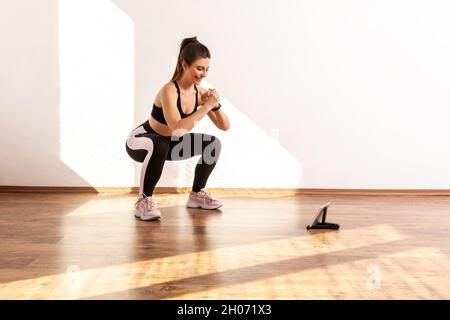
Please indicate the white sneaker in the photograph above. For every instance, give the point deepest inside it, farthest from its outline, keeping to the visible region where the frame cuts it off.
(146, 209)
(202, 199)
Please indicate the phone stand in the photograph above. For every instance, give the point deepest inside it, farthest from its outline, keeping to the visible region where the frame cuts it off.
(322, 214)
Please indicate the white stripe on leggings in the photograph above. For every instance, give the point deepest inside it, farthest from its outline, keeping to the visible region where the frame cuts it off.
(138, 143)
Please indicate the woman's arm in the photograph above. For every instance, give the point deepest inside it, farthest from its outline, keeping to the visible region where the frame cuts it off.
(219, 118)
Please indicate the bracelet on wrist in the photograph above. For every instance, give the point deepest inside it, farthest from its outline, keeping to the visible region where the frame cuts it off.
(217, 108)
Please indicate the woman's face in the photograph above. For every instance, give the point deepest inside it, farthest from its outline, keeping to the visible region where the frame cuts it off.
(197, 70)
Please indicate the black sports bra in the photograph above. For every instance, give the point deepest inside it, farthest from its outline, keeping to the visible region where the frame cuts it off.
(157, 112)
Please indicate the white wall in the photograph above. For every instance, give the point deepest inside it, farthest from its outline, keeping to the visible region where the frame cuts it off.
(321, 94)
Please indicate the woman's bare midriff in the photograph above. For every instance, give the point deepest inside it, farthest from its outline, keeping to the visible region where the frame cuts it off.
(160, 128)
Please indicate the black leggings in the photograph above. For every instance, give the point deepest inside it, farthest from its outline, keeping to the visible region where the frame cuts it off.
(152, 150)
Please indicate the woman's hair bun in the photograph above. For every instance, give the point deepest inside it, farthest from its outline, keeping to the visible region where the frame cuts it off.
(186, 41)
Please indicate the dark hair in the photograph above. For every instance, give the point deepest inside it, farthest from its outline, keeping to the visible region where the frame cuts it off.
(190, 50)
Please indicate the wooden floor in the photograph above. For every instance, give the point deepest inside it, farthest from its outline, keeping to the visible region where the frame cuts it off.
(85, 246)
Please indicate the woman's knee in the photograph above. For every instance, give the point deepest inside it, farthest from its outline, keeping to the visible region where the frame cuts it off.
(217, 143)
(212, 150)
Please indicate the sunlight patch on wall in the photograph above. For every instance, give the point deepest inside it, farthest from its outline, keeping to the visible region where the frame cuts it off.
(96, 90)
(251, 156)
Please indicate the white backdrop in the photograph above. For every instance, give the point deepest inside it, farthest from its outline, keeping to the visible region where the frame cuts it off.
(320, 94)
